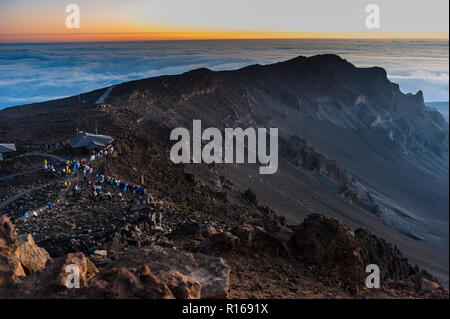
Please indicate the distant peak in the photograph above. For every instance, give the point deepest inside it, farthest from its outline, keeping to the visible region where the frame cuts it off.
(200, 71)
(328, 57)
(322, 58)
(420, 99)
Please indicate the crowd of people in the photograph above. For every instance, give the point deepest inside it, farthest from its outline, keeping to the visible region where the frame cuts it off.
(101, 187)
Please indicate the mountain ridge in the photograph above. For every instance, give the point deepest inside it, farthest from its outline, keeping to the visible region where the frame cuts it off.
(394, 152)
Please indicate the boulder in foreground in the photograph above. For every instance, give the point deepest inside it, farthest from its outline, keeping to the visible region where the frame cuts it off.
(19, 255)
(183, 272)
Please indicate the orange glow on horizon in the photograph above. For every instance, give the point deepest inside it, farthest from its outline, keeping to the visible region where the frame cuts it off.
(142, 20)
(115, 35)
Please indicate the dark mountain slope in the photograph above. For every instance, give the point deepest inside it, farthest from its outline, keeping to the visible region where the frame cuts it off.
(353, 145)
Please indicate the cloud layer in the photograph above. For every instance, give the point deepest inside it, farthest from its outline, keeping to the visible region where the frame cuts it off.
(37, 72)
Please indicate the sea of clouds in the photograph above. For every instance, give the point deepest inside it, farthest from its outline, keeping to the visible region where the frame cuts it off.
(38, 72)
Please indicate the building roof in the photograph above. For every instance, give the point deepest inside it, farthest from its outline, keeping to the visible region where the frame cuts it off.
(89, 140)
(5, 148)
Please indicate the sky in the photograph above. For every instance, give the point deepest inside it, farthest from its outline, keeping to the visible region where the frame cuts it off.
(115, 20)
(32, 72)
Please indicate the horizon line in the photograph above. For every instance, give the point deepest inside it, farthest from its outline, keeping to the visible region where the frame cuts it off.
(87, 37)
(226, 39)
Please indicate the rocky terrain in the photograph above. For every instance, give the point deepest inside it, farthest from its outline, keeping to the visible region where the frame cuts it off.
(194, 257)
(309, 231)
(320, 258)
(237, 250)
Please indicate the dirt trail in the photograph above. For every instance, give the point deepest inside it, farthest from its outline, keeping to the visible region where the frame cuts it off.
(21, 173)
(105, 95)
(23, 193)
(52, 156)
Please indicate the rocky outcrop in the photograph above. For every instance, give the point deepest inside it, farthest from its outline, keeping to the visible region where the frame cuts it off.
(220, 243)
(304, 156)
(257, 238)
(212, 273)
(187, 229)
(32, 257)
(377, 251)
(19, 256)
(8, 237)
(10, 269)
(333, 248)
(87, 270)
(428, 285)
(341, 257)
(182, 287)
(121, 283)
(30, 271)
(53, 281)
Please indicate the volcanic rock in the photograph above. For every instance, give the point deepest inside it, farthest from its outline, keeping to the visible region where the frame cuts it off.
(389, 259)
(87, 270)
(32, 257)
(182, 287)
(51, 281)
(188, 229)
(211, 272)
(8, 236)
(19, 256)
(10, 269)
(220, 242)
(121, 282)
(333, 247)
